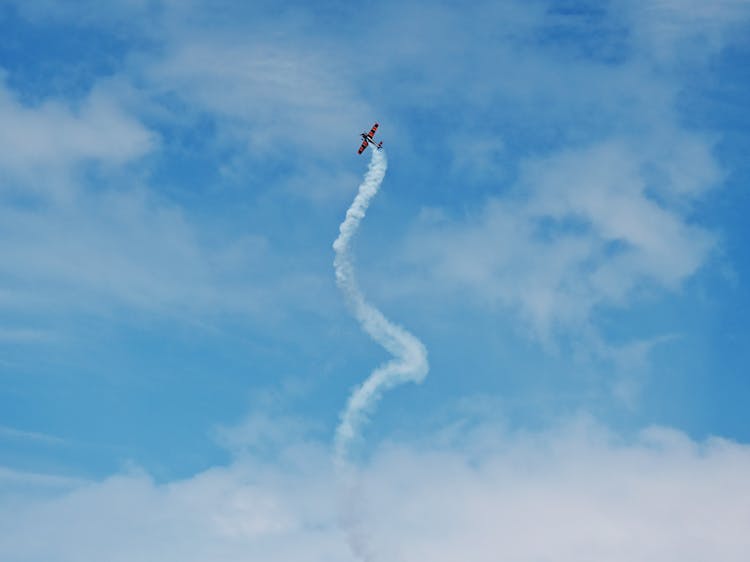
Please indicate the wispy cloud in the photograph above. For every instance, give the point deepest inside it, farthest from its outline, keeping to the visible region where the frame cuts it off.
(681, 30)
(41, 146)
(19, 434)
(25, 335)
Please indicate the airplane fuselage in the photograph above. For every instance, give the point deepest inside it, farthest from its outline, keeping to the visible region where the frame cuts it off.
(370, 140)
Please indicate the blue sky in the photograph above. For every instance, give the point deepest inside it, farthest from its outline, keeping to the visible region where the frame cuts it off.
(563, 224)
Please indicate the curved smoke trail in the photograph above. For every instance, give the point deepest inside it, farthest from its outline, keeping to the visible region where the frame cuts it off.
(409, 363)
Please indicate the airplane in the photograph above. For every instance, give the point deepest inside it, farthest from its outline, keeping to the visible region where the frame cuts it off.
(367, 140)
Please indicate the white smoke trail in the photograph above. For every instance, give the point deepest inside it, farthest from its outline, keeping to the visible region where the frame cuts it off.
(409, 361)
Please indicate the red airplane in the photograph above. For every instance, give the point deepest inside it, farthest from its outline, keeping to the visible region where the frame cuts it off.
(367, 140)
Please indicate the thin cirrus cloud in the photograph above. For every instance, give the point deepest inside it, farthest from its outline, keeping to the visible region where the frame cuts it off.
(282, 95)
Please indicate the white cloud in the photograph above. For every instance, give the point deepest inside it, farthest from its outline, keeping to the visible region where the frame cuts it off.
(262, 433)
(581, 232)
(18, 434)
(601, 214)
(578, 493)
(567, 497)
(672, 30)
(281, 89)
(122, 246)
(280, 97)
(82, 230)
(41, 146)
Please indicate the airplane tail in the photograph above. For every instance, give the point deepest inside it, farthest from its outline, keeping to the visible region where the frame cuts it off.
(380, 145)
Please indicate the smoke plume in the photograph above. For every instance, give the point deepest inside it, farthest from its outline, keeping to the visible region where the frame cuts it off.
(409, 362)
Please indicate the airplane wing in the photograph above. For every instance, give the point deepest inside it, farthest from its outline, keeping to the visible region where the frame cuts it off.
(372, 131)
(362, 148)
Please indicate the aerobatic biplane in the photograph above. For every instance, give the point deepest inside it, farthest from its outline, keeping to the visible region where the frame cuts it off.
(367, 140)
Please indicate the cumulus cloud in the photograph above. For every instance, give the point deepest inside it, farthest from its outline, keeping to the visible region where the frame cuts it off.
(572, 496)
(584, 232)
(577, 493)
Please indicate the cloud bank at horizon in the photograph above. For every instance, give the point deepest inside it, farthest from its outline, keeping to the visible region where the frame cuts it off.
(574, 494)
